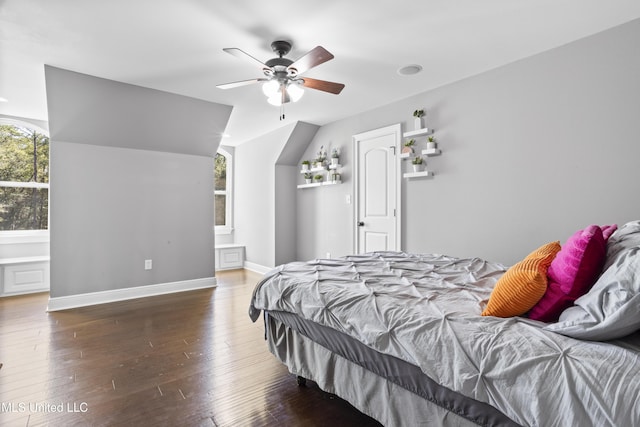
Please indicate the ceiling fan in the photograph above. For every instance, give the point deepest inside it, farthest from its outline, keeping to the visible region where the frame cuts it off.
(282, 76)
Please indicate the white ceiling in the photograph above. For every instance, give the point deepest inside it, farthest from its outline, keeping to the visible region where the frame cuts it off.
(176, 46)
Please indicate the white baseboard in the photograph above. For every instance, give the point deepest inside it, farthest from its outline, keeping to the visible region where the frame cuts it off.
(103, 297)
(257, 267)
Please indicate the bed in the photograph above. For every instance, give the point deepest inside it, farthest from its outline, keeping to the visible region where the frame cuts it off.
(410, 339)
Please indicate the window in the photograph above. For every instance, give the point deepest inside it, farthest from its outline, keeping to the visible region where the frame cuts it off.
(24, 179)
(222, 195)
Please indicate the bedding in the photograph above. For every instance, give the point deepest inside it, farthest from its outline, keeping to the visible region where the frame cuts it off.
(395, 371)
(425, 310)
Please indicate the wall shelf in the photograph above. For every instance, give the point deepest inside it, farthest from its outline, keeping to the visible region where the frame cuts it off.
(423, 174)
(418, 132)
(329, 170)
(432, 152)
(321, 169)
(319, 184)
(429, 152)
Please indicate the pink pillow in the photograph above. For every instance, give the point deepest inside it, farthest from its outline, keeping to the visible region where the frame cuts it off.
(607, 230)
(572, 272)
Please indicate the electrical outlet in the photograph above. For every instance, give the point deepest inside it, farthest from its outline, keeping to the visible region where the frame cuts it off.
(148, 264)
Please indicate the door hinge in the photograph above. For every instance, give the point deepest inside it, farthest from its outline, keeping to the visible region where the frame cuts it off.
(393, 148)
(394, 212)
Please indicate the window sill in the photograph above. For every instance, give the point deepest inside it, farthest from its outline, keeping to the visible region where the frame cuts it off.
(223, 230)
(24, 236)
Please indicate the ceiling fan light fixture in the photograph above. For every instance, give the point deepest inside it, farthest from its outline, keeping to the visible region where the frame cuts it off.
(295, 91)
(271, 88)
(281, 82)
(279, 98)
(275, 100)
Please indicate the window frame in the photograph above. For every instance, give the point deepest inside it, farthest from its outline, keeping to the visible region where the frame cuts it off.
(228, 193)
(27, 236)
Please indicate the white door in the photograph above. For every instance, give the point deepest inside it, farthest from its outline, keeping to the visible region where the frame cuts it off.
(377, 190)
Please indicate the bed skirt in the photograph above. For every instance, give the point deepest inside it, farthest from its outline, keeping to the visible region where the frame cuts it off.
(381, 399)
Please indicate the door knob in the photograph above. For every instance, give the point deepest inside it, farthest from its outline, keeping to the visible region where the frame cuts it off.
(360, 224)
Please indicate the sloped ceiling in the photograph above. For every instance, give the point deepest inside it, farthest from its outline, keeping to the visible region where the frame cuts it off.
(176, 46)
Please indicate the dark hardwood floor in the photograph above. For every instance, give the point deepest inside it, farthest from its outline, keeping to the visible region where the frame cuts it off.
(185, 359)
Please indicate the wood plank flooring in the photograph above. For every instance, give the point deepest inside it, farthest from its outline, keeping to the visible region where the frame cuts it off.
(186, 359)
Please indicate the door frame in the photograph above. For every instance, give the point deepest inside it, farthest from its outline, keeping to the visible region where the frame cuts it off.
(396, 131)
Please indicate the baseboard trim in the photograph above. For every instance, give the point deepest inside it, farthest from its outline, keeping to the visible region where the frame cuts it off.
(103, 297)
(257, 267)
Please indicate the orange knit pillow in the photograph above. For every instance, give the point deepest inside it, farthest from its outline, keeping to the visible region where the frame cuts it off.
(523, 285)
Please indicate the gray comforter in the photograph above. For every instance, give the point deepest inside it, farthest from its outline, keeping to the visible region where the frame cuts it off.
(425, 309)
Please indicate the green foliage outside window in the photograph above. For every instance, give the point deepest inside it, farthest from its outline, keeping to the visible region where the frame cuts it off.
(24, 175)
(220, 186)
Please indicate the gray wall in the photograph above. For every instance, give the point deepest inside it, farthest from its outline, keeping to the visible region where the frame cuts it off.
(255, 195)
(532, 151)
(285, 231)
(265, 194)
(131, 179)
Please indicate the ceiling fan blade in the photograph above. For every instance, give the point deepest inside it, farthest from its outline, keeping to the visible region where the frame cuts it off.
(322, 85)
(240, 83)
(239, 53)
(314, 57)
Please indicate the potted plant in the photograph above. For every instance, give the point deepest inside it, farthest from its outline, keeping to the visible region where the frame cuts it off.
(308, 176)
(417, 164)
(431, 143)
(417, 118)
(335, 157)
(306, 165)
(408, 146)
(318, 178)
(321, 156)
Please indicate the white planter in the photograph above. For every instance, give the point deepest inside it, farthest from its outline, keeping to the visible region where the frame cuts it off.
(305, 167)
(432, 145)
(334, 161)
(417, 123)
(308, 180)
(418, 168)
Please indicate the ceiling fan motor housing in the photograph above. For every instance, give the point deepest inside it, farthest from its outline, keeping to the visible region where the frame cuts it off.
(281, 47)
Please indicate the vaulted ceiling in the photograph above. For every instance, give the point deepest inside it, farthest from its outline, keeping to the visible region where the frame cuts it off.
(176, 46)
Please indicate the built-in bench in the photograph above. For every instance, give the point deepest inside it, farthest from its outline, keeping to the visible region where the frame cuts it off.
(24, 275)
(229, 256)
